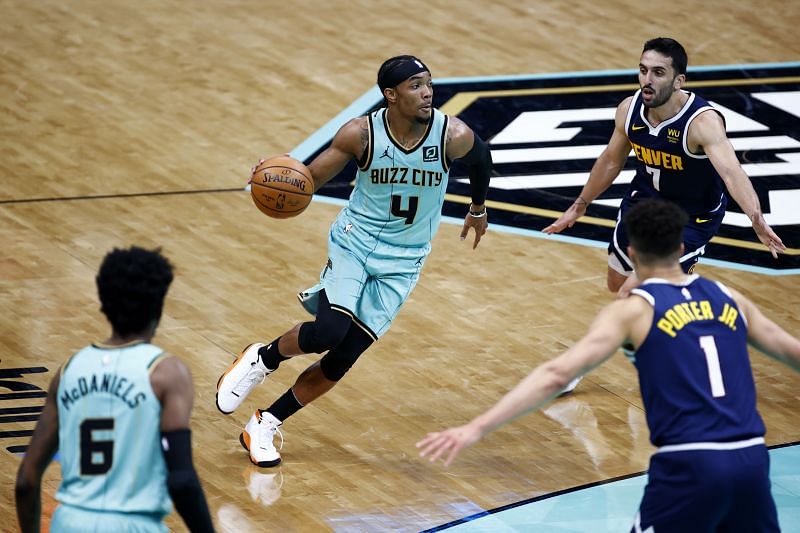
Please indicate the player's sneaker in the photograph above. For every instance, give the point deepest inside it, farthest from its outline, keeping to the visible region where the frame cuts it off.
(241, 377)
(570, 387)
(257, 439)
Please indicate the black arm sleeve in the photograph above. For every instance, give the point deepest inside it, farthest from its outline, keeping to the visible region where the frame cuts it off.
(182, 482)
(479, 164)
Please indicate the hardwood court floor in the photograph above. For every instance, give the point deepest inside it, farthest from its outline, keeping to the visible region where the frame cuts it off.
(115, 98)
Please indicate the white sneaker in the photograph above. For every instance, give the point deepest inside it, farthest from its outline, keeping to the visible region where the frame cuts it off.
(242, 376)
(570, 387)
(257, 439)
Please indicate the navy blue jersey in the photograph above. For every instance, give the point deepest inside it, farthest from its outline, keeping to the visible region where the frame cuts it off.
(666, 168)
(694, 369)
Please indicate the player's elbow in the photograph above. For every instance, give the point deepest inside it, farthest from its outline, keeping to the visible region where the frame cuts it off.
(26, 486)
(555, 377)
(182, 482)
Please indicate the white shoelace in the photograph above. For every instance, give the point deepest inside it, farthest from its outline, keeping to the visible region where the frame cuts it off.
(268, 427)
(255, 376)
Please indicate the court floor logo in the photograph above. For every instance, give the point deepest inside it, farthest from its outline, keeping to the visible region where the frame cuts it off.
(546, 131)
(19, 420)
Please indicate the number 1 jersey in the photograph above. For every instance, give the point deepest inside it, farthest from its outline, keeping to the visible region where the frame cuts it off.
(694, 368)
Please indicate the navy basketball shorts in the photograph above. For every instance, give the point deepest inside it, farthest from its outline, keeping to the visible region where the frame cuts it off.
(696, 235)
(708, 491)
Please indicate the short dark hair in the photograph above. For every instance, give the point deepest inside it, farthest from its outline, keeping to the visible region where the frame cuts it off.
(669, 48)
(132, 284)
(655, 229)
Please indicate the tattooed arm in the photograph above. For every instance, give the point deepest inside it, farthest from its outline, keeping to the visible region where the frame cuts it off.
(350, 142)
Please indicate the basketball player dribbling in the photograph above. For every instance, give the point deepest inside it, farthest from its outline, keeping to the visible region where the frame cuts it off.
(376, 247)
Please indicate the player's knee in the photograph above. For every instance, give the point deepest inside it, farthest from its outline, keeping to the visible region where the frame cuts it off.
(614, 280)
(323, 334)
(335, 364)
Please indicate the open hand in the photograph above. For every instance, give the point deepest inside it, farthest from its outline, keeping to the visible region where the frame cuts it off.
(451, 440)
(567, 219)
(767, 236)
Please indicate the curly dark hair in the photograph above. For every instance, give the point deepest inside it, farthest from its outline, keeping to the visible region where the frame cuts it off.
(132, 284)
(655, 229)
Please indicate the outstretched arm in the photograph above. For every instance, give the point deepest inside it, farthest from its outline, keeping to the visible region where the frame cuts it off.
(610, 329)
(604, 171)
(707, 132)
(40, 452)
(464, 144)
(767, 336)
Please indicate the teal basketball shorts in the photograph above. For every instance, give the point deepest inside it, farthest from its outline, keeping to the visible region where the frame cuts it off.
(365, 277)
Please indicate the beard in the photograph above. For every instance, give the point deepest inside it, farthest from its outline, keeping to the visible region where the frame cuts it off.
(422, 120)
(660, 97)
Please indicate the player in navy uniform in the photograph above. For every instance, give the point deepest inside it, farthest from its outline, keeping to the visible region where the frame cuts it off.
(376, 246)
(690, 334)
(118, 414)
(683, 155)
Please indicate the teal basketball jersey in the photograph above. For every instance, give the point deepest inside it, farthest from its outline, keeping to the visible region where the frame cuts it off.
(110, 431)
(399, 192)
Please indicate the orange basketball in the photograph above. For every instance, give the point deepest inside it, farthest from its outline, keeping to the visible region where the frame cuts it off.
(281, 187)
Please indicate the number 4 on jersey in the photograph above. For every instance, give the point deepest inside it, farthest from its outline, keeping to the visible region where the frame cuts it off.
(408, 214)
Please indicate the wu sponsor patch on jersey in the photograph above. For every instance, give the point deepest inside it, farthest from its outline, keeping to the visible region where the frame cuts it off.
(546, 132)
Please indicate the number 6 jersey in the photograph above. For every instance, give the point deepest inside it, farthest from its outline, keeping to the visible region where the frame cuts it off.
(694, 368)
(110, 431)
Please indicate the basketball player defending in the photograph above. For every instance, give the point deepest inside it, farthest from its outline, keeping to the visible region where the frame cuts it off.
(682, 154)
(376, 247)
(118, 414)
(711, 469)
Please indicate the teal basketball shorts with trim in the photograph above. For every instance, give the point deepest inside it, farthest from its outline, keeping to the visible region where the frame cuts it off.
(366, 277)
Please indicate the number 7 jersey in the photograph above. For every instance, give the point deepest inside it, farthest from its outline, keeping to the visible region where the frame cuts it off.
(399, 192)
(666, 168)
(694, 368)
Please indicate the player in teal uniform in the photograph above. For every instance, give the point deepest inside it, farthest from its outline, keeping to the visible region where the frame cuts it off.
(118, 414)
(689, 334)
(682, 154)
(376, 246)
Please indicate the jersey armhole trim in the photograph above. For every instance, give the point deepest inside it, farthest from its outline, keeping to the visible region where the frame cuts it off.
(156, 361)
(443, 147)
(631, 107)
(685, 140)
(66, 364)
(723, 288)
(366, 157)
(646, 296)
